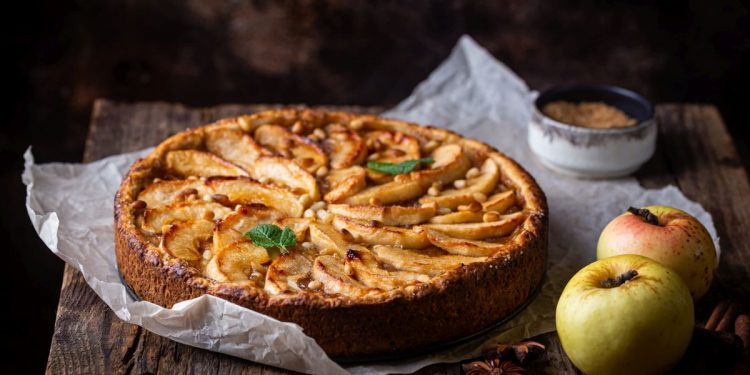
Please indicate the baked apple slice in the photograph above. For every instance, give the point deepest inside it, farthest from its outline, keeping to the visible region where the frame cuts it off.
(287, 144)
(376, 234)
(327, 239)
(344, 147)
(485, 183)
(286, 173)
(477, 231)
(340, 184)
(459, 246)
(199, 163)
(330, 271)
(458, 217)
(236, 262)
(233, 226)
(391, 192)
(243, 190)
(388, 215)
(500, 202)
(369, 271)
(450, 163)
(416, 261)
(288, 273)
(185, 240)
(390, 147)
(156, 218)
(298, 225)
(166, 192)
(234, 145)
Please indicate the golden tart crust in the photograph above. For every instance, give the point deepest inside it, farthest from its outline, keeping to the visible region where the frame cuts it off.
(383, 264)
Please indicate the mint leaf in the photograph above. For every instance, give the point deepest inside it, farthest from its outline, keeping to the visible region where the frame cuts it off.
(287, 239)
(397, 168)
(270, 236)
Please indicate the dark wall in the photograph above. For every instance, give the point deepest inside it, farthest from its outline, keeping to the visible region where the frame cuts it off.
(61, 55)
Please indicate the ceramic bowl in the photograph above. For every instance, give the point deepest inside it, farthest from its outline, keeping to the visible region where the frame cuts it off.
(593, 153)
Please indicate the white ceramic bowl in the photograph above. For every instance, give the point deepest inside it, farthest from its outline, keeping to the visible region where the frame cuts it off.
(593, 153)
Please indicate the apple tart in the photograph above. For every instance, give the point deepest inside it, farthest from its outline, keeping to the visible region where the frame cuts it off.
(376, 236)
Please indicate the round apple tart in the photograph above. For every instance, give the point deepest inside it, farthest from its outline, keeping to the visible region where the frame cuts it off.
(376, 236)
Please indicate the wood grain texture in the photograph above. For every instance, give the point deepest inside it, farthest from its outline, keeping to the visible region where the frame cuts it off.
(695, 153)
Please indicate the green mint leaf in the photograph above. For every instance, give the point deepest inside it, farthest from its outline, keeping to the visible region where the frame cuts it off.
(397, 168)
(264, 235)
(271, 236)
(287, 239)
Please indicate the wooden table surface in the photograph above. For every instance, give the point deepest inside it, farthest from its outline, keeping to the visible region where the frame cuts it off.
(695, 153)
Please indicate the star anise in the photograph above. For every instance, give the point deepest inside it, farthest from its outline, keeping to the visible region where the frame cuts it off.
(504, 359)
(495, 366)
(518, 352)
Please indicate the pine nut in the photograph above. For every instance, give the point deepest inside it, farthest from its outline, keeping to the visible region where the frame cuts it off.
(473, 172)
(322, 171)
(459, 184)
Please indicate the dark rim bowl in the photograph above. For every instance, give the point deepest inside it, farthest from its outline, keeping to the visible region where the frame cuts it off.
(628, 101)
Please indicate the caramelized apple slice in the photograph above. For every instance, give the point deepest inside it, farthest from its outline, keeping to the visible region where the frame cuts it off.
(236, 261)
(235, 146)
(391, 192)
(184, 240)
(344, 147)
(329, 270)
(288, 272)
(233, 227)
(373, 233)
(460, 246)
(449, 201)
(388, 215)
(478, 231)
(343, 183)
(155, 218)
(369, 272)
(287, 173)
(450, 163)
(415, 261)
(500, 202)
(242, 190)
(166, 192)
(198, 163)
(305, 152)
(327, 239)
(458, 217)
(390, 147)
(298, 225)
(485, 183)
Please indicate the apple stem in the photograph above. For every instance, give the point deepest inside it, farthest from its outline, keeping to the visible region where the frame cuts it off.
(614, 282)
(645, 214)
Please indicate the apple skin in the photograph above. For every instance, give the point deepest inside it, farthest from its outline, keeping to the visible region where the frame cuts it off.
(643, 326)
(679, 242)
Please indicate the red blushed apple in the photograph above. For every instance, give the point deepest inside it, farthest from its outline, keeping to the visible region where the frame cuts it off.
(670, 236)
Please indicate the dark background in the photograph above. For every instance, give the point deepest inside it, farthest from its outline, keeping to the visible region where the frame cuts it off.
(60, 55)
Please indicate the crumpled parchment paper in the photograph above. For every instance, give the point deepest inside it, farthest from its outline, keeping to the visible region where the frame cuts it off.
(70, 206)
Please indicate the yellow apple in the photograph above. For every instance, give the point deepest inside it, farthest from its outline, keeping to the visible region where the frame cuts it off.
(667, 235)
(625, 315)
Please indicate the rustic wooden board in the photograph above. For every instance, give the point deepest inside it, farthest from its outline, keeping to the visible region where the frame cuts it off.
(695, 153)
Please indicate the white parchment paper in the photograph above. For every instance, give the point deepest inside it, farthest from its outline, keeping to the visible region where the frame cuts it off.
(70, 206)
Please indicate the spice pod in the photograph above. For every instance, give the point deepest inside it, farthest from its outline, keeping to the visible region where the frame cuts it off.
(592, 131)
